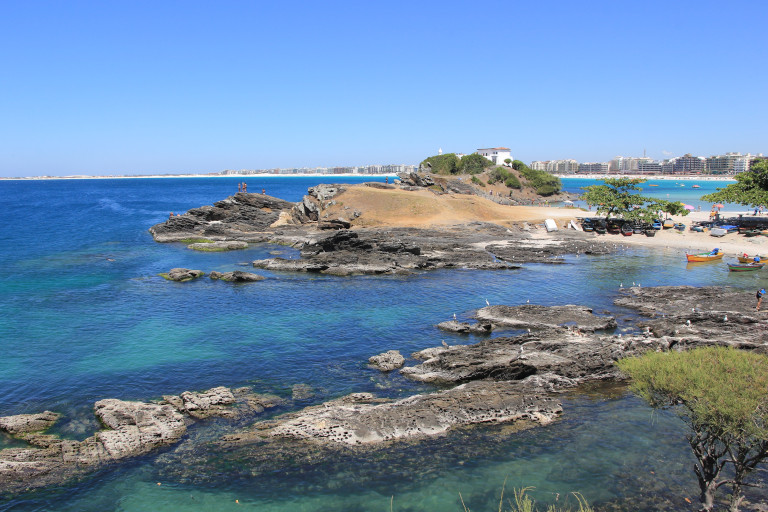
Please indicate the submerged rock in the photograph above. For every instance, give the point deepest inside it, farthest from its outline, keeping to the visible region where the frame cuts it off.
(238, 276)
(182, 274)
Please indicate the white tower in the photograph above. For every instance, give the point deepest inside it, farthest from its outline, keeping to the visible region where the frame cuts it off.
(440, 151)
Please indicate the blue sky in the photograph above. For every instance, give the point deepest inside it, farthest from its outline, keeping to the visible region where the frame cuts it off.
(135, 87)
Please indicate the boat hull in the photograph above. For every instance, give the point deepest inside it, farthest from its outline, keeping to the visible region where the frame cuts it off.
(698, 258)
(744, 268)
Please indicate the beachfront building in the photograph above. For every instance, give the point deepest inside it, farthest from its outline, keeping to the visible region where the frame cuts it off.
(495, 155)
(689, 164)
(593, 168)
(556, 166)
(649, 167)
(627, 164)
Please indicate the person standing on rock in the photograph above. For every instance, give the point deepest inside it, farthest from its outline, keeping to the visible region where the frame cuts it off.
(760, 294)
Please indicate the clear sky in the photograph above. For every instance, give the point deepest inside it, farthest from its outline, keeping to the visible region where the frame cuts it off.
(140, 87)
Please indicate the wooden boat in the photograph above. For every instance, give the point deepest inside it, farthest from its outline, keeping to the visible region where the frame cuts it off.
(669, 223)
(626, 230)
(680, 226)
(650, 232)
(744, 267)
(750, 259)
(704, 256)
(652, 185)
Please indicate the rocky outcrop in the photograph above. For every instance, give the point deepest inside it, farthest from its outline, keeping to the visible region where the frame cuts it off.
(358, 420)
(687, 316)
(238, 276)
(387, 361)
(416, 179)
(131, 429)
(182, 274)
(532, 316)
(465, 327)
(219, 246)
(25, 423)
(243, 217)
(563, 352)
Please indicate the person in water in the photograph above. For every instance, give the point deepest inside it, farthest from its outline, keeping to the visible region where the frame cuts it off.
(760, 294)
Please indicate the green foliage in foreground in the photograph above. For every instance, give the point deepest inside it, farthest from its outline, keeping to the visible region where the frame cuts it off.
(542, 182)
(720, 393)
(442, 164)
(478, 181)
(619, 198)
(751, 188)
(522, 502)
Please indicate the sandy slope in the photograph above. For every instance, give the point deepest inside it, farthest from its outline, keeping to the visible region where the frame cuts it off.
(424, 208)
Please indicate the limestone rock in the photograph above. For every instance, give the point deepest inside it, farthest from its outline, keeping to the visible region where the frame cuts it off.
(387, 361)
(354, 423)
(24, 423)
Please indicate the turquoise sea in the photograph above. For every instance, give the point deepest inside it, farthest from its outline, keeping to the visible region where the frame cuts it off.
(84, 316)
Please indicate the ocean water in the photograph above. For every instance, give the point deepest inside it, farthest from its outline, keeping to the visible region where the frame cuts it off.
(671, 190)
(84, 316)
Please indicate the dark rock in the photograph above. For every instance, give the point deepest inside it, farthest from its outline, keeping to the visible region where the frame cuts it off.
(238, 276)
(182, 274)
(243, 216)
(543, 317)
(574, 357)
(465, 327)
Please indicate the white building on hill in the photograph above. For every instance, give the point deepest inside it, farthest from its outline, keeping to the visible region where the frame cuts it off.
(495, 155)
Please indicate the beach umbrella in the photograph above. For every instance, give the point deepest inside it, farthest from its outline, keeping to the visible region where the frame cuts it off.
(689, 207)
(568, 201)
(718, 205)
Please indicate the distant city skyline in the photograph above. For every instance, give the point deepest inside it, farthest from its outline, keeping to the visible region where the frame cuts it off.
(137, 88)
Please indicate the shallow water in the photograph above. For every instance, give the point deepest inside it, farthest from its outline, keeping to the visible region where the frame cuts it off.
(84, 316)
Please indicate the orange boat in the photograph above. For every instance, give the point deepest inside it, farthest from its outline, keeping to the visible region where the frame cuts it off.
(704, 256)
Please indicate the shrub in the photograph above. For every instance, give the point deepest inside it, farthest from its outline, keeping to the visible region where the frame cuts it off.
(477, 181)
(542, 182)
(473, 164)
(443, 164)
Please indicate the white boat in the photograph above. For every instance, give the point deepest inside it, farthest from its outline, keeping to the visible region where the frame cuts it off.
(550, 225)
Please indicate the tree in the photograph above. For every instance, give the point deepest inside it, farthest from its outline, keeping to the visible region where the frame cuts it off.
(473, 164)
(619, 197)
(751, 188)
(719, 392)
(442, 164)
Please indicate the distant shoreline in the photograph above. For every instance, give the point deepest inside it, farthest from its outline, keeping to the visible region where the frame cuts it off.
(706, 177)
(169, 176)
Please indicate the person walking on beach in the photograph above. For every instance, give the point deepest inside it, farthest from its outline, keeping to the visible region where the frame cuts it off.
(760, 294)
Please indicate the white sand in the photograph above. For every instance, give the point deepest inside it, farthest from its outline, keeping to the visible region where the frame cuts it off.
(691, 241)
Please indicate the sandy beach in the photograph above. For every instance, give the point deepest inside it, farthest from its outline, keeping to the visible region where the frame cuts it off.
(691, 241)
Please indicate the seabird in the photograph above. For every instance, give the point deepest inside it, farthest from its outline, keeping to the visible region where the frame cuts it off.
(488, 303)
(725, 318)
